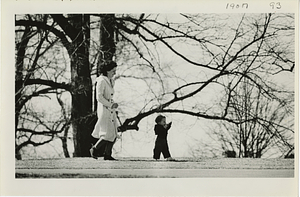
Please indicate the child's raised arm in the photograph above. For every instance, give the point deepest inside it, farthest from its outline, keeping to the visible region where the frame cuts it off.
(169, 125)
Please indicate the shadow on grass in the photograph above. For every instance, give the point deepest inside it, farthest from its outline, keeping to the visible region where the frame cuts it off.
(160, 160)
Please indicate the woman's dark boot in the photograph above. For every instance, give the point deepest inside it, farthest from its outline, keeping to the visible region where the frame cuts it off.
(109, 158)
(108, 151)
(93, 152)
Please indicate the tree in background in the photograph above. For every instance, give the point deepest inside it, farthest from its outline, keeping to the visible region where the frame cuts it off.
(68, 52)
(254, 137)
(254, 49)
(73, 33)
(36, 77)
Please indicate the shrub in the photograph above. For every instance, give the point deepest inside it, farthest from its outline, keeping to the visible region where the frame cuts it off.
(229, 153)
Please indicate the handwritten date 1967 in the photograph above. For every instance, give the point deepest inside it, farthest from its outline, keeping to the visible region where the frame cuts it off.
(236, 5)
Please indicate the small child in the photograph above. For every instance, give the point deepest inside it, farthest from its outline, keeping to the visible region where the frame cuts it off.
(161, 143)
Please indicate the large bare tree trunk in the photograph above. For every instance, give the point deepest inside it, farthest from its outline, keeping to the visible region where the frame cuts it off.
(81, 86)
(107, 38)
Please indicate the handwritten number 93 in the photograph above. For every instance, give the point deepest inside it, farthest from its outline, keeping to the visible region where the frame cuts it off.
(275, 5)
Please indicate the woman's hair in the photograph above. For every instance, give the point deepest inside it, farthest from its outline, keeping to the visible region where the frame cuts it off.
(159, 118)
(107, 66)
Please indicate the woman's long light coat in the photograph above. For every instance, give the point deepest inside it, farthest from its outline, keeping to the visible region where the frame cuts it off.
(107, 126)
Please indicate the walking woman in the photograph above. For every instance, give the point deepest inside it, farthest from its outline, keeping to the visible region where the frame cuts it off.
(107, 126)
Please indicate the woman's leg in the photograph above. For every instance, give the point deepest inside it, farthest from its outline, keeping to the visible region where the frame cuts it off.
(98, 149)
(108, 150)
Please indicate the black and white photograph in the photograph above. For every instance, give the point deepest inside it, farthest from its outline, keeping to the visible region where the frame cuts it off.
(155, 103)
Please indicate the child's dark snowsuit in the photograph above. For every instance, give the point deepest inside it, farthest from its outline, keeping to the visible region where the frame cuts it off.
(161, 143)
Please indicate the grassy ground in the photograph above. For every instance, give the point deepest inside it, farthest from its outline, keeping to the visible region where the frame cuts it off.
(139, 163)
(78, 175)
(146, 163)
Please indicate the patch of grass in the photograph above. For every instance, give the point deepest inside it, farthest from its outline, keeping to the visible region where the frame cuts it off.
(76, 175)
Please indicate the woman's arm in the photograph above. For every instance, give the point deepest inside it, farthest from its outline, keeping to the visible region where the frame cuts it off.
(100, 91)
